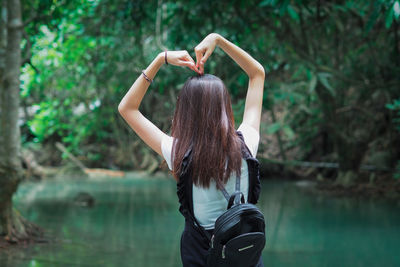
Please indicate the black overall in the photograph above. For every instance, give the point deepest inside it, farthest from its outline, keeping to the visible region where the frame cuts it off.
(194, 243)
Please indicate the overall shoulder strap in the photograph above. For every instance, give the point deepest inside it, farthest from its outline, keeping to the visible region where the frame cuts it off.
(201, 228)
(245, 149)
(254, 172)
(185, 207)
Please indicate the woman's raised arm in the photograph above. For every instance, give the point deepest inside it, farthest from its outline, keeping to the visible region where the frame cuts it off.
(255, 71)
(129, 105)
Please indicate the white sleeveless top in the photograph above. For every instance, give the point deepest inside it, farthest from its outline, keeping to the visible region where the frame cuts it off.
(210, 203)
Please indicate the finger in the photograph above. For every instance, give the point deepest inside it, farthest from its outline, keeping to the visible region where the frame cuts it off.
(193, 66)
(188, 64)
(189, 58)
(205, 57)
(201, 67)
(195, 69)
(203, 61)
(199, 56)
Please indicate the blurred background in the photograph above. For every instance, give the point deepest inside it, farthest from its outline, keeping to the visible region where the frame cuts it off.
(86, 191)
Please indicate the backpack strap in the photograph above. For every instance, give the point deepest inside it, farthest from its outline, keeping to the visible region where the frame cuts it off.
(237, 197)
(237, 186)
(223, 190)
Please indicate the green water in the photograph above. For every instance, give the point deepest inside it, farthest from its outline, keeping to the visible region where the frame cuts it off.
(135, 222)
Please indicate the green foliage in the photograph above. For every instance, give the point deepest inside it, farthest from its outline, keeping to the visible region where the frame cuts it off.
(46, 121)
(331, 67)
(277, 126)
(396, 175)
(395, 107)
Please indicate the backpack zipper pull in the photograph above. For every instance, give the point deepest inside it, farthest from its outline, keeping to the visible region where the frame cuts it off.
(223, 252)
(212, 241)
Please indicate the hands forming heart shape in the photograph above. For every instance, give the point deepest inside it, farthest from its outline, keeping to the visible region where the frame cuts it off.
(203, 50)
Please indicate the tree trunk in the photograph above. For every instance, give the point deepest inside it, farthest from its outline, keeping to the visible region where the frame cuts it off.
(12, 225)
(350, 156)
(350, 150)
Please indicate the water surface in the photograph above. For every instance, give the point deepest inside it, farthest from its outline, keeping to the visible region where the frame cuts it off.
(135, 222)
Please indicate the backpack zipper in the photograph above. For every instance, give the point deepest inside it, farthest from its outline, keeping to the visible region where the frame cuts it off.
(223, 252)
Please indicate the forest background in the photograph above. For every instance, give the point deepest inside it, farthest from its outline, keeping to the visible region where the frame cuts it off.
(332, 88)
(332, 91)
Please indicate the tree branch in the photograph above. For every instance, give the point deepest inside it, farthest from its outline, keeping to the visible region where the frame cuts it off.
(41, 16)
(27, 49)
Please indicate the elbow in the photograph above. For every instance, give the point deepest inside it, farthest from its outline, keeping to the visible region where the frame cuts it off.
(121, 108)
(124, 109)
(258, 72)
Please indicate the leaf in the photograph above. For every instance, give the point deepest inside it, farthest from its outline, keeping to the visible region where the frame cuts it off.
(394, 106)
(312, 84)
(267, 3)
(305, 108)
(396, 9)
(396, 174)
(389, 17)
(288, 131)
(339, 25)
(323, 78)
(292, 13)
(374, 16)
(273, 128)
(390, 106)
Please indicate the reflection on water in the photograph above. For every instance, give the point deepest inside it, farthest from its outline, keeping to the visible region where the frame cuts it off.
(314, 230)
(135, 222)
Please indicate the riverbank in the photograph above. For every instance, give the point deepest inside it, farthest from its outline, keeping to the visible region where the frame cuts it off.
(381, 186)
(389, 189)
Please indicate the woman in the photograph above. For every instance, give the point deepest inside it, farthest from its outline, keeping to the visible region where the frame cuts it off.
(205, 147)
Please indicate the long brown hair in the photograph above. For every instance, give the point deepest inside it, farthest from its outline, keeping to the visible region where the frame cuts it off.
(203, 121)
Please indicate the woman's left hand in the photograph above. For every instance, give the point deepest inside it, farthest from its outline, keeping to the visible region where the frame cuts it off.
(181, 58)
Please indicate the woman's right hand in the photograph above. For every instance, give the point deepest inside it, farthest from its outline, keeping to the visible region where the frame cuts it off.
(204, 50)
(181, 58)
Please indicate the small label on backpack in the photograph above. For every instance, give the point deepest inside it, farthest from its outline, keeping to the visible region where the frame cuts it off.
(241, 249)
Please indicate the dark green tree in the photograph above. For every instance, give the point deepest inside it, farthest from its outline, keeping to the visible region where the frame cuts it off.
(12, 225)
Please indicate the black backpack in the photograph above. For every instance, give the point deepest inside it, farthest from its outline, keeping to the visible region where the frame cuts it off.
(239, 233)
